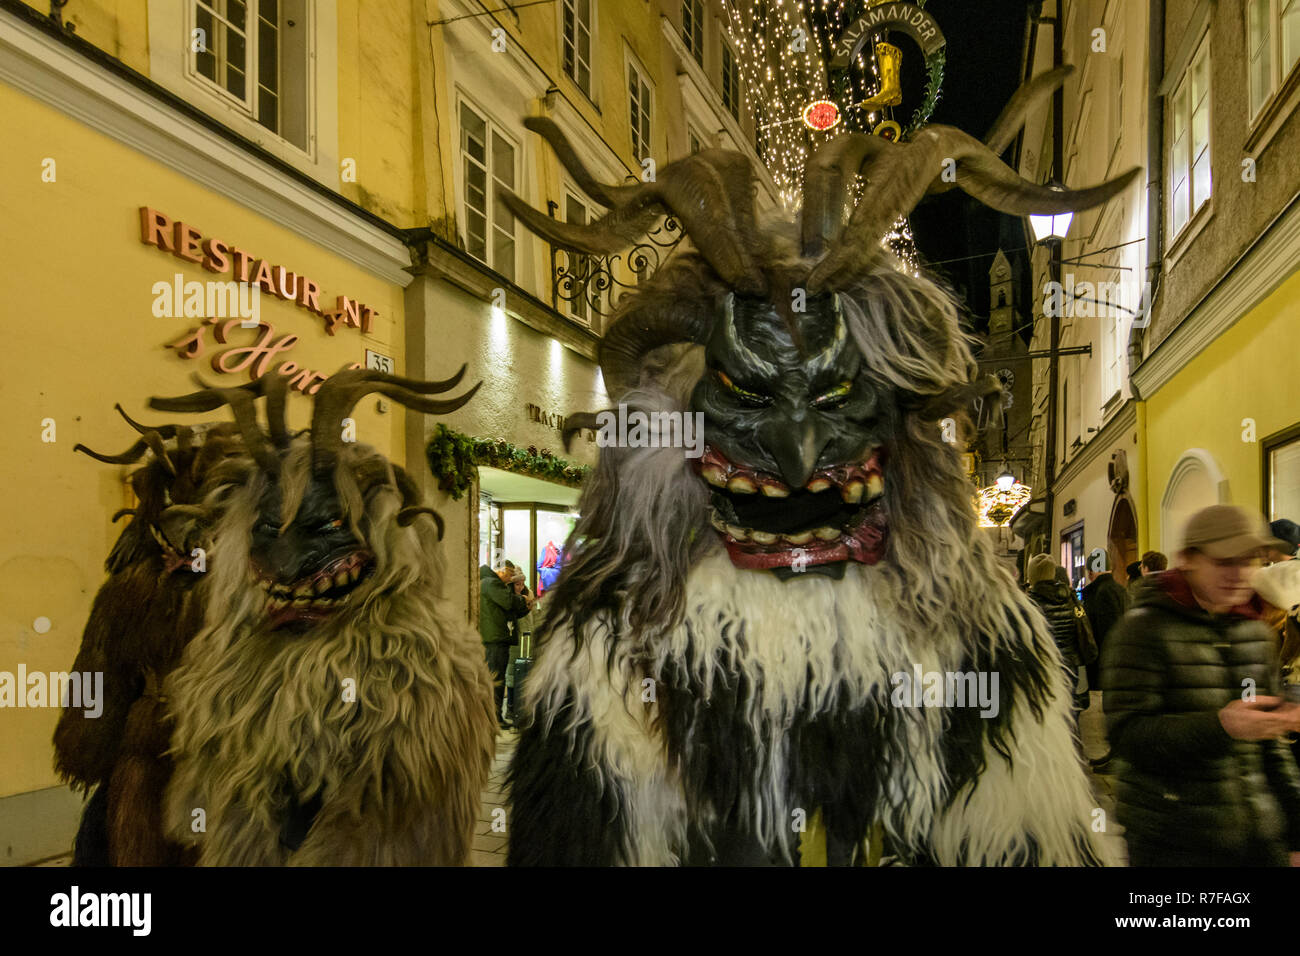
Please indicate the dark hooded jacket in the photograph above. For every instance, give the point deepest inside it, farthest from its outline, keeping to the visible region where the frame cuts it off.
(1057, 602)
(498, 605)
(1187, 791)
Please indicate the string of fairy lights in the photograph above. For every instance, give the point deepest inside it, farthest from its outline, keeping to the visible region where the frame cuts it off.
(782, 49)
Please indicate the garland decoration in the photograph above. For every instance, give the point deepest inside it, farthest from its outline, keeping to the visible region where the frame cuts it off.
(453, 458)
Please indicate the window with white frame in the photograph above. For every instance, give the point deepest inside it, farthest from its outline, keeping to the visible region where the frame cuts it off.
(1273, 47)
(579, 267)
(255, 54)
(639, 110)
(730, 82)
(693, 28)
(577, 42)
(1189, 154)
(487, 160)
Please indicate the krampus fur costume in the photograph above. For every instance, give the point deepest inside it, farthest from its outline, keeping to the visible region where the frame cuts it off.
(142, 618)
(335, 709)
(735, 638)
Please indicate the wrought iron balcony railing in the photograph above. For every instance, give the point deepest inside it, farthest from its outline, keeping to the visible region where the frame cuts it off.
(589, 288)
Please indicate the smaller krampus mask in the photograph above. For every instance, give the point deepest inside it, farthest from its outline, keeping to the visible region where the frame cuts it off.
(335, 709)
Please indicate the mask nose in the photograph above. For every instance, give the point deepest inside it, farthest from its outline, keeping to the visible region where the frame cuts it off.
(795, 443)
(293, 556)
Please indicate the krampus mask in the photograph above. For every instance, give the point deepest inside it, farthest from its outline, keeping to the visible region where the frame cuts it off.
(335, 709)
(142, 618)
(690, 706)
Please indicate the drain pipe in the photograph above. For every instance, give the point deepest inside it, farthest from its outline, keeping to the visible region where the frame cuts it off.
(1155, 184)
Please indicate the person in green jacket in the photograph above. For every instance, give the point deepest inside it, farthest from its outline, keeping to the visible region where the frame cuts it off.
(499, 604)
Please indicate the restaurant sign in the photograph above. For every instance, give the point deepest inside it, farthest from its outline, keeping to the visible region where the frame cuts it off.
(260, 348)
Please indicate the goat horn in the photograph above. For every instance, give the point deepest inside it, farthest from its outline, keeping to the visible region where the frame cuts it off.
(345, 388)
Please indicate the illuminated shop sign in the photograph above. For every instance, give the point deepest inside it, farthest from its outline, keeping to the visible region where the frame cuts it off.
(258, 350)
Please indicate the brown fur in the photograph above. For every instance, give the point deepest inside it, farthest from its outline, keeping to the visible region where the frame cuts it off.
(140, 622)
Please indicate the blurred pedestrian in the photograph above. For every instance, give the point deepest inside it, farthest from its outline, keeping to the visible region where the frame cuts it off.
(1153, 562)
(1105, 601)
(1204, 778)
(1067, 621)
(1134, 573)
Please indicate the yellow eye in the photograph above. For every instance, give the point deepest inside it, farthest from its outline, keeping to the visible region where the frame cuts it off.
(735, 389)
(834, 396)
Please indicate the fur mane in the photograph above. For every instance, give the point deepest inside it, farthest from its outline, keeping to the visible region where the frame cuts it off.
(264, 715)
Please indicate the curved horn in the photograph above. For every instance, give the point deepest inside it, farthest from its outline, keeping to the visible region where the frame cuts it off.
(241, 401)
(407, 515)
(128, 457)
(166, 431)
(641, 330)
(1013, 115)
(829, 174)
(576, 422)
(900, 176)
(546, 128)
(710, 192)
(345, 388)
(121, 513)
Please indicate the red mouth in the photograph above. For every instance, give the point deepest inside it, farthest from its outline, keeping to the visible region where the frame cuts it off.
(318, 596)
(837, 516)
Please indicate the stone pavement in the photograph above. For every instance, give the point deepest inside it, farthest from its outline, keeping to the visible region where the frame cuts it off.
(489, 844)
(1092, 728)
(489, 847)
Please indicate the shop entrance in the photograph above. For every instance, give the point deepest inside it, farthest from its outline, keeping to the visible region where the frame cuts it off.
(526, 521)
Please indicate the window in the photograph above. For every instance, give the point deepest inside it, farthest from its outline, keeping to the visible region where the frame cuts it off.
(1282, 474)
(693, 28)
(1273, 47)
(254, 54)
(577, 43)
(577, 295)
(696, 143)
(730, 82)
(1189, 118)
(1073, 556)
(639, 108)
(487, 159)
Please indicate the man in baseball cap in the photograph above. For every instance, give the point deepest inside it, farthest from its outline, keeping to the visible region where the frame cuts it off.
(1189, 682)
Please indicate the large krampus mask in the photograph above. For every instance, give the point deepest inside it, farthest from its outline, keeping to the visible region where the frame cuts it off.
(821, 370)
(799, 403)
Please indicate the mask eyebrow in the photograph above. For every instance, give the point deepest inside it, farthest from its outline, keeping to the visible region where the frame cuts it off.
(831, 354)
(757, 363)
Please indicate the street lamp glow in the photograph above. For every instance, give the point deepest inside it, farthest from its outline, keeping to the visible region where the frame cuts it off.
(1005, 481)
(1050, 227)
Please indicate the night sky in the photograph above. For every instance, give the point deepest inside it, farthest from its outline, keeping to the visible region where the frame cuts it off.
(985, 51)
